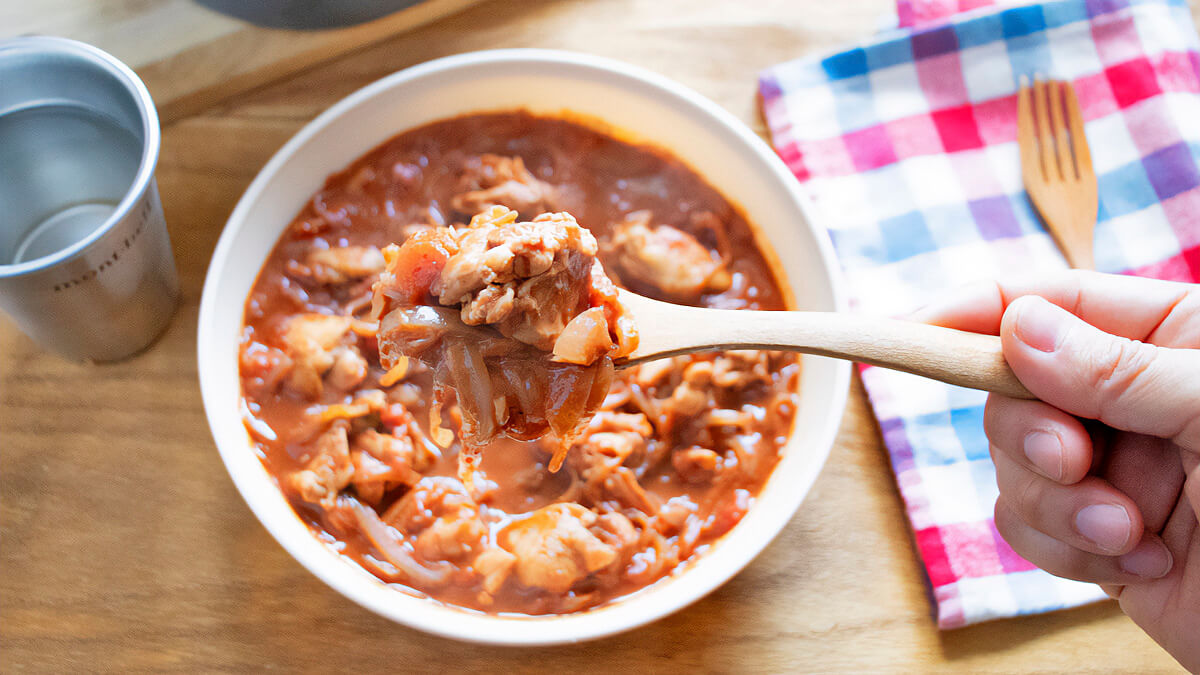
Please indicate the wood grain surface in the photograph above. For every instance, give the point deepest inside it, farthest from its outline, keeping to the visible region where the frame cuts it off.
(189, 55)
(126, 548)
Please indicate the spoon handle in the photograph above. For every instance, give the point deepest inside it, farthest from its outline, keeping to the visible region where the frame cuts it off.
(952, 356)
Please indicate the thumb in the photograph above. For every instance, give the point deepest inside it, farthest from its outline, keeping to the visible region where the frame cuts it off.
(1124, 383)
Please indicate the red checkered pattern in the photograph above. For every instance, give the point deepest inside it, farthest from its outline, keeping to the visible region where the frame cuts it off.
(907, 148)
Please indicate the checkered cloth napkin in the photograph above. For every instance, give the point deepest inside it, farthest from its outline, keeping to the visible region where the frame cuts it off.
(907, 147)
(916, 13)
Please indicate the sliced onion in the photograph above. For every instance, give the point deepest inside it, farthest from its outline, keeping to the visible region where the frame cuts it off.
(576, 392)
(257, 427)
(527, 386)
(364, 328)
(410, 331)
(345, 411)
(570, 388)
(380, 536)
(470, 378)
(442, 436)
(396, 373)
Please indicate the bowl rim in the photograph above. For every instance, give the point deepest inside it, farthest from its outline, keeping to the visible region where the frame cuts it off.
(466, 625)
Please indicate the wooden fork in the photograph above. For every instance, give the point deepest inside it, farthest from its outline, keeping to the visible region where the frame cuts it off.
(1057, 166)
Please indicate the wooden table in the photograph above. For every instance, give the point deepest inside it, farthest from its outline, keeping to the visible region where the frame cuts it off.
(127, 548)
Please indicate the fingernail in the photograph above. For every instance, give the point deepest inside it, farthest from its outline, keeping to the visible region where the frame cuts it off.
(1150, 559)
(1045, 451)
(1105, 525)
(1038, 325)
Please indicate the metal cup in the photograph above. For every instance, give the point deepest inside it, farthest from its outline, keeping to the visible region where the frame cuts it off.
(85, 262)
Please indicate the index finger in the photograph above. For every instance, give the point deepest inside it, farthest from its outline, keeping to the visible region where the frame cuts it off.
(1131, 307)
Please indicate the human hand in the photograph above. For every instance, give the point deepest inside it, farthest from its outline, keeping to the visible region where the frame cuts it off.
(1115, 501)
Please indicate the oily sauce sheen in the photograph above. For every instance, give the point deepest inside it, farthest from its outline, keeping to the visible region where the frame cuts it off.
(715, 423)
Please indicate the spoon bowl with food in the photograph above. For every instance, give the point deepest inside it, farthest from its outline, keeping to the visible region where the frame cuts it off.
(520, 321)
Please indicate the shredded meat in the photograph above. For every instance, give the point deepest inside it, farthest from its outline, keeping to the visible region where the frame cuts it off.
(667, 260)
(327, 472)
(432, 497)
(338, 265)
(692, 396)
(530, 348)
(385, 461)
(695, 464)
(528, 279)
(554, 548)
(441, 517)
(492, 180)
(616, 530)
(320, 344)
(494, 565)
(598, 457)
(741, 368)
(451, 538)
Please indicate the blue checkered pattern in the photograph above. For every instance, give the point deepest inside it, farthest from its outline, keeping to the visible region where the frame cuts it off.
(907, 146)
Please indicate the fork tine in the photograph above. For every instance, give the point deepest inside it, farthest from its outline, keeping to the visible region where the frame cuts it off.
(1026, 135)
(1066, 163)
(1082, 154)
(1045, 137)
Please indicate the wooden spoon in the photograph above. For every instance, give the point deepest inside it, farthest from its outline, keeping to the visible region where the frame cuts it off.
(951, 356)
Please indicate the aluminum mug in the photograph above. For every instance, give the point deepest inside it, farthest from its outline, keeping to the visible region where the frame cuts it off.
(86, 268)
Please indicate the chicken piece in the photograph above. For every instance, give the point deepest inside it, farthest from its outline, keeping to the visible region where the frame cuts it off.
(493, 180)
(329, 266)
(695, 464)
(692, 396)
(452, 537)
(328, 471)
(263, 367)
(316, 343)
(366, 402)
(309, 337)
(349, 369)
(492, 304)
(674, 515)
(494, 565)
(616, 530)
(743, 420)
(528, 279)
(431, 498)
(623, 486)
(653, 373)
(384, 461)
(741, 368)
(667, 259)
(442, 517)
(608, 440)
(412, 229)
(554, 547)
(599, 456)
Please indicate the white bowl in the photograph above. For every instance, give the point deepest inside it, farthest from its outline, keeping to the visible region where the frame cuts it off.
(644, 107)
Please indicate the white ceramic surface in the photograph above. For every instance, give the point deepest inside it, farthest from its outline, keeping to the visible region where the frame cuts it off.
(642, 106)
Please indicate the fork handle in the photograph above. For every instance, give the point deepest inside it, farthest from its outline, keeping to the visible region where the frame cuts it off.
(1078, 251)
